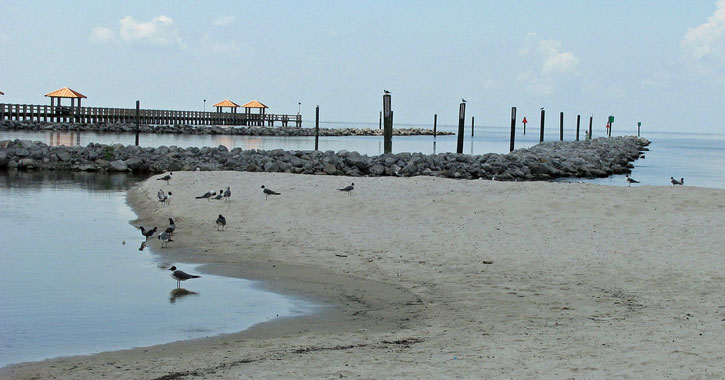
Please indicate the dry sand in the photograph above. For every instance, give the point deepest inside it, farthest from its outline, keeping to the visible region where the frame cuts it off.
(587, 281)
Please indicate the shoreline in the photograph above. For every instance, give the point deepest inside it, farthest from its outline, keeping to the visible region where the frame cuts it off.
(579, 271)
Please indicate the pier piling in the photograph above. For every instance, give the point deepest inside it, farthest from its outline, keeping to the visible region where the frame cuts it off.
(513, 129)
(435, 124)
(138, 121)
(561, 126)
(541, 132)
(317, 127)
(387, 124)
(461, 122)
(578, 119)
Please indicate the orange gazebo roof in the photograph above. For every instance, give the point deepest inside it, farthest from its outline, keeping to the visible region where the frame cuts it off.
(65, 92)
(254, 104)
(227, 103)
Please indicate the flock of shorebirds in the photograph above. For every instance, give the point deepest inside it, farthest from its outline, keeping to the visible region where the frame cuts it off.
(221, 222)
(673, 181)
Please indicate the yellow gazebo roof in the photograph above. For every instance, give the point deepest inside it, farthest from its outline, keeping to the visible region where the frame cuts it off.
(227, 103)
(65, 92)
(254, 104)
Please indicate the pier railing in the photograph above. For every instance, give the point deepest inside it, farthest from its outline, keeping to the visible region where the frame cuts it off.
(66, 114)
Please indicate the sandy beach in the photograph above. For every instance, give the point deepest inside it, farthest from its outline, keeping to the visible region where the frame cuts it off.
(437, 278)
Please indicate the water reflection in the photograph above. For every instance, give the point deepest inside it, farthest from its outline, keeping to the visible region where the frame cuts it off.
(180, 293)
(70, 138)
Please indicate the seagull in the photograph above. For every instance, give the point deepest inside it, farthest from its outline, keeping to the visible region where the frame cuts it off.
(386, 91)
(161, 194)
(166, 199)
(268, 192)
(148, 233)
(206, 195)
(463, 100)
(630, 180)
(682, 181)
(180, 275)
(165, 238)
(220, 195)
(227, 194)
(221, 221)
(165, 178)
(676, 182)
(171, 228)
(349, 188)
(143, 245)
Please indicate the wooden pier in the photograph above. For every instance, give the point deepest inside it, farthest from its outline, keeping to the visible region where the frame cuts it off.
(65, 114)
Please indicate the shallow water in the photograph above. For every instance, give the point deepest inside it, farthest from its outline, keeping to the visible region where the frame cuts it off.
(70, 286)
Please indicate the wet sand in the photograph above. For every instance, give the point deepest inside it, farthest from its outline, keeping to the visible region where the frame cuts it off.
(440, 278)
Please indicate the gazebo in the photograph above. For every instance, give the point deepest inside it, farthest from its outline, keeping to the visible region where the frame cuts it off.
(226, 103)
(254, 104)
(65, 92)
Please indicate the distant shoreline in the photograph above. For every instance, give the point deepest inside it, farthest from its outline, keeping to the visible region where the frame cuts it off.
(211, 130)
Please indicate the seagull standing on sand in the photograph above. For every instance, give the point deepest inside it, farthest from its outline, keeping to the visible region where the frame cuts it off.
(221, 221)
(227, 194)
(268, 192)
(171, 228)
(219, 195)
(148, 233)
(165, 238)
(206, 195)
(166, 199)
(180, 275)
(165, 178)
(676, 182)
(630, 180)
(348, 189)
(161, 194)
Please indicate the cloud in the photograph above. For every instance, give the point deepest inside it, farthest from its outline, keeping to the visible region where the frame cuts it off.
(102, 35)
(223, 20)
(549, 62)
(159, 31)
(704, 45)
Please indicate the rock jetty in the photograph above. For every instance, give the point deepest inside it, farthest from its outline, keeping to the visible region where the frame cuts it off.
(203, 129)
(593, 158)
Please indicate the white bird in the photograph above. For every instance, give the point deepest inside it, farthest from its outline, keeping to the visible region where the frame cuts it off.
(630, 180)
(268, 192)
(221, 221)
(165, 238)
(348, 188)
(165, 178)
(161, 194)
(463, 100)
(227, 194)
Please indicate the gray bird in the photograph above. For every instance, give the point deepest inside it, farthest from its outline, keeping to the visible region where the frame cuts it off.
(676, 182)
(165, 238)
(227, 194)
(205, 195)
(221, 221)
(166, 199)
(386, 91)
(268, 192)
(219, 195)
(165, 178)
(171, 228)
(148, 233)
(143, 245)
(630, 180)
(463, 100)
(348, 189)
(161, 194)
(180, 275)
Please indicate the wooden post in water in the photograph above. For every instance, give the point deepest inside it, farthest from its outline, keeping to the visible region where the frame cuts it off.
(590, 126)
(387, 124)
(473, 119)
(578, 119)
(380, 121)
(317, 127)
(461, 122)
(561, 126)
(513, 129)
(639, 124)
(541, 133)
(138, 107)
(435, 124)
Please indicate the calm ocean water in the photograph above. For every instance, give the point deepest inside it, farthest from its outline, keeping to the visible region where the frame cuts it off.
(697, 157)
(70, 286)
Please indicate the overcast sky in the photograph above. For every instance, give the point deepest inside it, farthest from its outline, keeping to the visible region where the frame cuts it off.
(661, 62)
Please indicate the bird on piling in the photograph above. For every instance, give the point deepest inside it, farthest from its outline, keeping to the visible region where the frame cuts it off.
(386, 91)
(268, 192)
(148, 233)
(348, 189)
(630, 180)
(165, 178)
(180, 275)
(463, 100)
(220, 195)
(171, 228)
(205, 195)
(165, 238)
(221, 221)
(227, 194)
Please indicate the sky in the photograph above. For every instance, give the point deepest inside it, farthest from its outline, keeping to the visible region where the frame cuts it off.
(659, 62)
